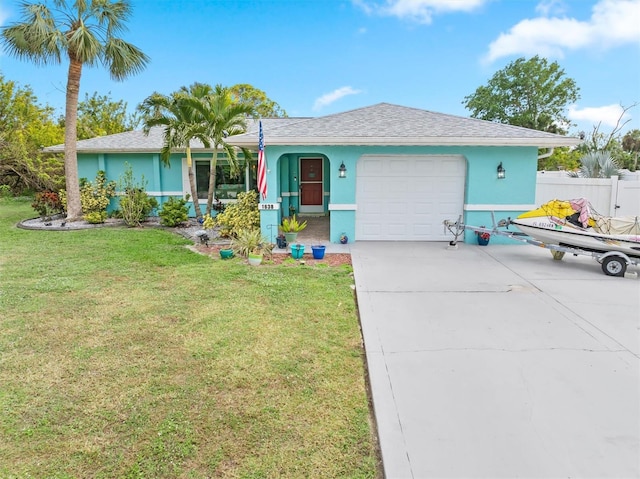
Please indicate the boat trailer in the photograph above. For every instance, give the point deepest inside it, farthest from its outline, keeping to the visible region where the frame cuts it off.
(613, 263)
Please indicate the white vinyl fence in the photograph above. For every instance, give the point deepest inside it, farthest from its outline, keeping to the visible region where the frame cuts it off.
(609, 196)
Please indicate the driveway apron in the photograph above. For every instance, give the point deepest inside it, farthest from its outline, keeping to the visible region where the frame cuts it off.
(498, 361)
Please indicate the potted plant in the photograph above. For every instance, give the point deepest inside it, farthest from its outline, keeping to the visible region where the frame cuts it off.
(291, 227)
(281, 241)
(483, 237)
(252, 245)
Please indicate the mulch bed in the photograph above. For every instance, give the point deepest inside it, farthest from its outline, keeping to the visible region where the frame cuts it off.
(330, 259)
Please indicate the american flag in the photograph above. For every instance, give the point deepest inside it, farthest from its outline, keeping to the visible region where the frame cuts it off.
(262, 166)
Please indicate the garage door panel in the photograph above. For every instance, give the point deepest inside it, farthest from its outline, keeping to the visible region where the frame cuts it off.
(408, 198)
(451, 168)
(373, 167)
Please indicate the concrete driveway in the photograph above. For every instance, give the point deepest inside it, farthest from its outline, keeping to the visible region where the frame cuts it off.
(498, 361)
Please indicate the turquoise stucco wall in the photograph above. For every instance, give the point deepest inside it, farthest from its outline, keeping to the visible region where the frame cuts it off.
(162, 181)
(484, 192)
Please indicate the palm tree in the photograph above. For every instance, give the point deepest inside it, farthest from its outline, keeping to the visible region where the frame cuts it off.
(597, 164)
(85, 31)
(223, 117)
(178, 113)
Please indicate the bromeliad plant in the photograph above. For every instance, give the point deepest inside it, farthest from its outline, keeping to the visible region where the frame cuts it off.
(292, 225)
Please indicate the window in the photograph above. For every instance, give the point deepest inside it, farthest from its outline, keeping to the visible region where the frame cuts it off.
(227, 185)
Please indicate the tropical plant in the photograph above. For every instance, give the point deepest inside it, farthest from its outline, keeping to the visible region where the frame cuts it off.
(241, 215)
(178, 114)
(135, 204)
(95, 197)
(292, 225)
(85, 32)
(174, 212)
(530, 93)
(597, 164)
(251, 241)
(208, 222)
(47, 203)
(222, 117)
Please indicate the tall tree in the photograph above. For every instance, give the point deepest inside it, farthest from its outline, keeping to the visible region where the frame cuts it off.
(530, 93)
(99, 115)
(631, 144)
(85, 31)
(179, 114)
(222, 117)
(600, 141)
(25, 127)
(263, 106)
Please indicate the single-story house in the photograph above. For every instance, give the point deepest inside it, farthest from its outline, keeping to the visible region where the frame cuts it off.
(383, 172)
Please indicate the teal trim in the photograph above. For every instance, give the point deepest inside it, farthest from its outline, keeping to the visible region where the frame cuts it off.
(156, 182)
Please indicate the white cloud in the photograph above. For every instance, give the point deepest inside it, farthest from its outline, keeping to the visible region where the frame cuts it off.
(548, 7)
(329, 98)
(421, 11)
(607, 115)
(612, 22)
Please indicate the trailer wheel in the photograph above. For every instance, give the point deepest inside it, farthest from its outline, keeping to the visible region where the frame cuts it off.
(614, 266)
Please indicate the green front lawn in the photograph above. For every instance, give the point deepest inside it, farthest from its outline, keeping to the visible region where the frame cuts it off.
(124, 354)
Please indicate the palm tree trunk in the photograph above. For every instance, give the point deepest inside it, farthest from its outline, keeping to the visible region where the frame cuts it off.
(192, 184)
(74, 207)
(212, 178)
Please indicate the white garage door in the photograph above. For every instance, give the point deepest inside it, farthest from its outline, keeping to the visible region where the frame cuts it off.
(406, 198)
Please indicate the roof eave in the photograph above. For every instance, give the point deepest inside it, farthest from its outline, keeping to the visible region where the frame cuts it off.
(421, 141)
(128, 150)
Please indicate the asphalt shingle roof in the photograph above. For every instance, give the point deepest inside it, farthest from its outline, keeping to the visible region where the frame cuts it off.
(381, 124)
(387, 124)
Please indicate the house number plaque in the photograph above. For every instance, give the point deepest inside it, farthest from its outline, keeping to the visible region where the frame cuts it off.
(268, 206)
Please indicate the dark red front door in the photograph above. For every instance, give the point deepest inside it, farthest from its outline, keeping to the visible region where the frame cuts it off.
(311, 188)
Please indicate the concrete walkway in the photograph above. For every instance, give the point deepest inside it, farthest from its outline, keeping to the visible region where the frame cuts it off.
(498, 361)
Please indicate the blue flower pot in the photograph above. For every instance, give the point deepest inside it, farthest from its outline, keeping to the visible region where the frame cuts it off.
(318, 251)
(297, 251)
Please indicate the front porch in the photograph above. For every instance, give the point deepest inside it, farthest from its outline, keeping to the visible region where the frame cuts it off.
(317, 233)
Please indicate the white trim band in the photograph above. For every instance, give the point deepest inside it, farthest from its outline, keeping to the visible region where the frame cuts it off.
(499, 207)
(342, 207)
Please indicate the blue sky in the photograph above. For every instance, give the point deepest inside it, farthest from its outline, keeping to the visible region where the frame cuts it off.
(326, 56)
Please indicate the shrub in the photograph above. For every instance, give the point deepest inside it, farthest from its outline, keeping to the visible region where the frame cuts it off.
(135, 204)
(251, 241)
(5, 191)
(95, 197)
(47, 204)
(242, 215)
(174, 212)
(208, 222)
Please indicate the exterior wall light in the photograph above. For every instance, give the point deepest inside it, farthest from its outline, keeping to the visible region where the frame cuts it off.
(342, 171)
(501, 172)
